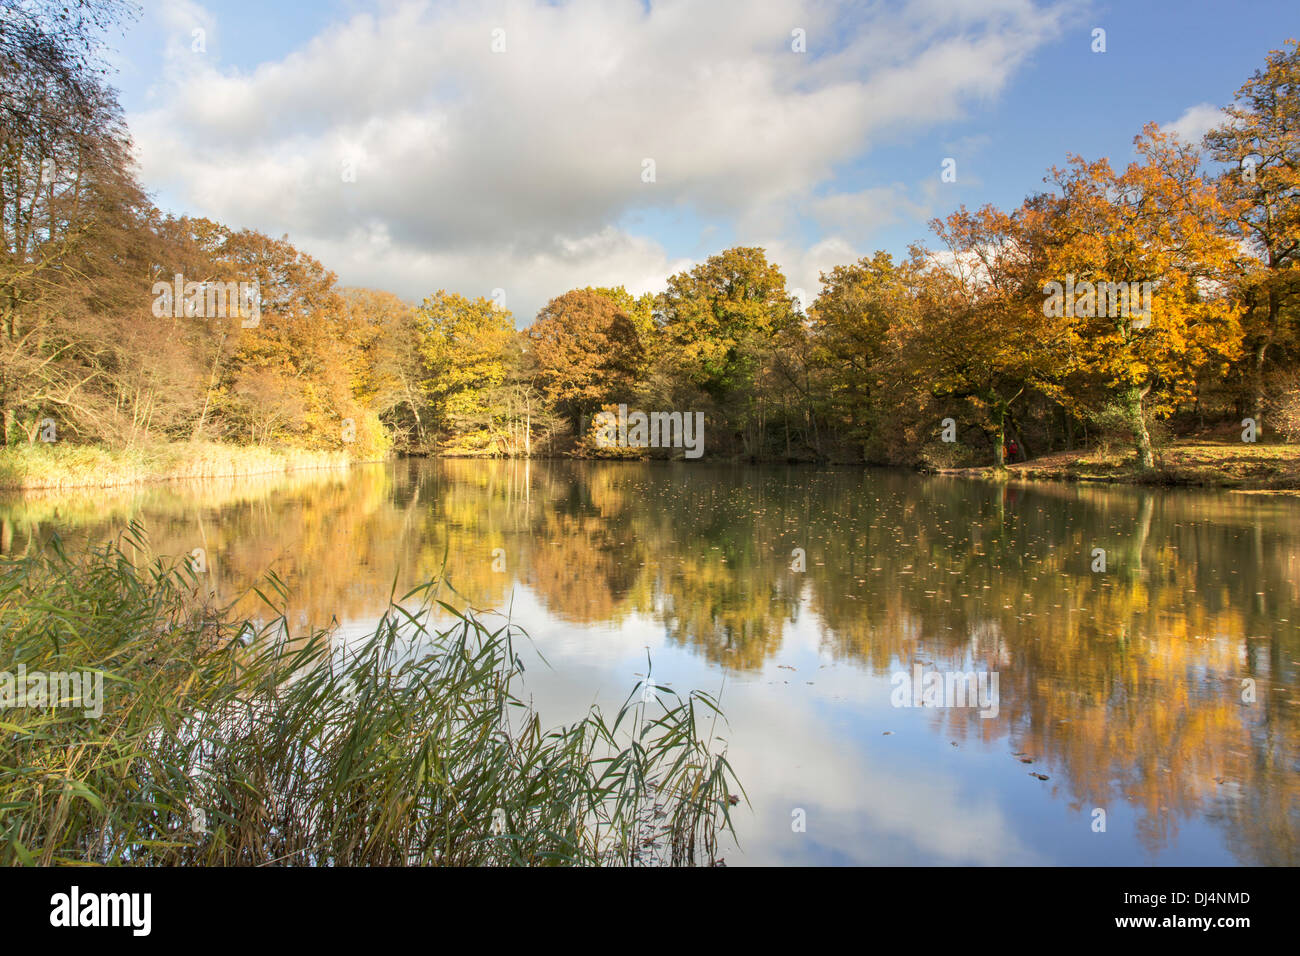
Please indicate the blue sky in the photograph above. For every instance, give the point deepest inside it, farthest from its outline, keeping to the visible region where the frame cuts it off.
(520, 170)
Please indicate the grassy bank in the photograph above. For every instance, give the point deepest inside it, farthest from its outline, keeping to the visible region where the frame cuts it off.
(1200, 462)
(240, 743)
(59, 465)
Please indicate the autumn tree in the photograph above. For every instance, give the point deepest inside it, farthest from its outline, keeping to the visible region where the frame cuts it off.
(1153, 223)
(1260, 188)
(638, 308)
(464, 343)
(588, 352)
(193, 249)
(72, 253)
(850, 332)
(393, 363)
(298, 372)
(979, 331)
(721, 321)
(51, 52)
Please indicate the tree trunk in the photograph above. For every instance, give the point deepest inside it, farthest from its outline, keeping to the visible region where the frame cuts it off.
(415, 410)
(207, 395)
(1000, 437)
(1257, 399)
(1137, 422)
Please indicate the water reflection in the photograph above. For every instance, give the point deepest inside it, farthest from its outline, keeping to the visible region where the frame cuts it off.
(1124, 687)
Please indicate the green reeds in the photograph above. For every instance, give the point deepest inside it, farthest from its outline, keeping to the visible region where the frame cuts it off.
(227, 742)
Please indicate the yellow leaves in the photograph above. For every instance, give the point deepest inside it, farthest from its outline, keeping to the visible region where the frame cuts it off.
(727, 314)
(464, 343)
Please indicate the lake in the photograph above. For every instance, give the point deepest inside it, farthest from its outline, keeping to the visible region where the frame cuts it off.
(1138, 651)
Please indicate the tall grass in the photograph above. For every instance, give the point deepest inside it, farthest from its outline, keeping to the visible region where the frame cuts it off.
(238, 743)
(60, 465)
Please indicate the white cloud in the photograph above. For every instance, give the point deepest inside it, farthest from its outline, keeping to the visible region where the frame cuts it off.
(528, 276)
(1196, 121)
(856, 215)
(477, 170)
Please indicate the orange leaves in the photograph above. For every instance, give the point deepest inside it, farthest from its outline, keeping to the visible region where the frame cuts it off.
(587, 349)
(1156, 222)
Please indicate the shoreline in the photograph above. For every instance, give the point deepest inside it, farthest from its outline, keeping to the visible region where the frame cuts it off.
(1225, 466)
(31, 468)
(1205, 464)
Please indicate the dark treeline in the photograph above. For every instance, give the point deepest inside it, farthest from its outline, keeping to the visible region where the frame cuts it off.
(1155, 300)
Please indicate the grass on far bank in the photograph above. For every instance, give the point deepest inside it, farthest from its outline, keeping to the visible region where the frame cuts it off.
(229, 742)
(61, 465)
(1196, 461)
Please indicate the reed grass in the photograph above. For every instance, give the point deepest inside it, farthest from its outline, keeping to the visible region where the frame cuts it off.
(59, 465)
(232, 742)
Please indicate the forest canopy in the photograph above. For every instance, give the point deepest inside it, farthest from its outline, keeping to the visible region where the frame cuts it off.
(1137, 301)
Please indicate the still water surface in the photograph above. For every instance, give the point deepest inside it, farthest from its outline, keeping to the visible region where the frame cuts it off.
(1126, 688)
